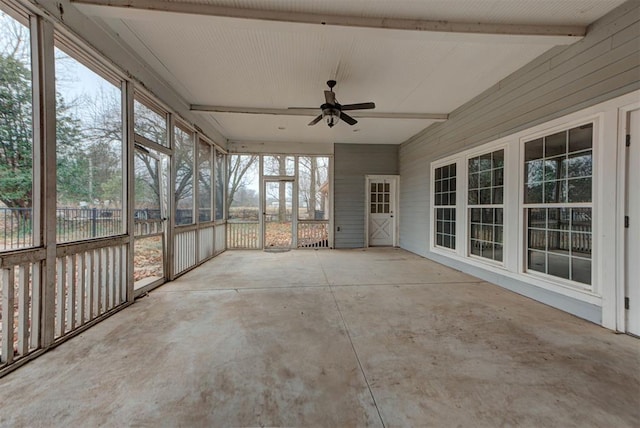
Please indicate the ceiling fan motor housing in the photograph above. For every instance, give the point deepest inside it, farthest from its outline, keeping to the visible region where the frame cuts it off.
(331, 114)
(332, 110)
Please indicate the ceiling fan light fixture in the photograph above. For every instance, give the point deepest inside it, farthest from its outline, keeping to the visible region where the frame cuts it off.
(332, 110)
(331, 115)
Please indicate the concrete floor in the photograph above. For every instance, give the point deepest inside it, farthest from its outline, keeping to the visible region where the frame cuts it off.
(331, 338)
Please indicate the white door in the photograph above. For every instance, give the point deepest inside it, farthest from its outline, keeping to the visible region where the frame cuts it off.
(633, 231)
(381, 214)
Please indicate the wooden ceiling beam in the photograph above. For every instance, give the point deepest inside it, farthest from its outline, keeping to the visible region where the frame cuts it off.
(564, 33)
(315, 112)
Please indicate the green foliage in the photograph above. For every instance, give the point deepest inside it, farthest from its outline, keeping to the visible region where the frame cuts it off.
(72, 175)
(15, 133)
(111, 189)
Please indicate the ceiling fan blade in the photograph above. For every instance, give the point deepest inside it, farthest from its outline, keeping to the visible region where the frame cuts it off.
(358, 106)
(330, 97)
(346, 118)
(316, 120)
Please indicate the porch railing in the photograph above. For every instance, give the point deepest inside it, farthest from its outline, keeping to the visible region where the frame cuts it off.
(313, 234)
(243, 235)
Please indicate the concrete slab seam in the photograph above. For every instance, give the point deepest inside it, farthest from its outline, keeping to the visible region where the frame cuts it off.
(355, 353)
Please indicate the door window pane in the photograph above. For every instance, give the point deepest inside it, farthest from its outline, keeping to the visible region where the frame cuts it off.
(88, 152)
(381, 194)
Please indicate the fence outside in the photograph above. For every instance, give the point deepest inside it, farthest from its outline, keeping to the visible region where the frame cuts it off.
(72, 224)
(15, 228)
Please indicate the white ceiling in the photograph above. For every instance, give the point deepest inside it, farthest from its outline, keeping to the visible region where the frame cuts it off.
(224, 61)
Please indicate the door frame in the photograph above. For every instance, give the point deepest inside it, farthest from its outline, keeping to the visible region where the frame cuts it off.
(294, 207)
(395, 204)
(142, 146)
(624, 124)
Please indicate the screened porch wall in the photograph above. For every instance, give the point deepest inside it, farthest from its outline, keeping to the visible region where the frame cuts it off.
(71, 267)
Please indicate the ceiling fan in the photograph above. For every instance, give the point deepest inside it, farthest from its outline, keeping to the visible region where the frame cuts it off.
(333, 111)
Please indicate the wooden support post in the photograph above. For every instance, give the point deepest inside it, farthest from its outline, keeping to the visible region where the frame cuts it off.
(129, 179)
(44, 143)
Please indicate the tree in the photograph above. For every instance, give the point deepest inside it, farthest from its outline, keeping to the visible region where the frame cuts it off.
(73, 165)
(16, 130)
(242, 168)
(183, 153)
(15, 134)
(103, 131)
(313, 173)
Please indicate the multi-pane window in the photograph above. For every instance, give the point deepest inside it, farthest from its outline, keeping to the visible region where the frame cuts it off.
(16, 135)
(89, 151)
(558, 208)
(184, 175)
(445, 206)
(484, 201)
(204, 181)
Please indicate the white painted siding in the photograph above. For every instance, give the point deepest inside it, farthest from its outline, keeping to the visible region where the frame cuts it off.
(603, 66)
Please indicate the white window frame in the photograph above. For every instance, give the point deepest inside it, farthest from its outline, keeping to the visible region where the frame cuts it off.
(482, 150)
(596, 144)
(432, 198)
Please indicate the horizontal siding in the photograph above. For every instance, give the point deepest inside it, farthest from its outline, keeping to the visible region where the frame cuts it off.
(602, 66)
(351, 163)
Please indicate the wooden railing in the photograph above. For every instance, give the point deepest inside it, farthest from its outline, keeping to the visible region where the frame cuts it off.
(148, 227)
(184, 256)
(89, 283)
(313, 234)
(206, 242)
(220, 238)
(19, 310)
(243, 235)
